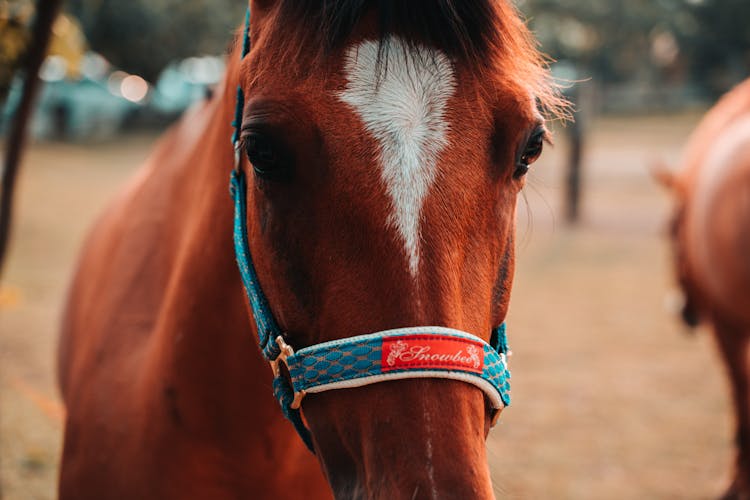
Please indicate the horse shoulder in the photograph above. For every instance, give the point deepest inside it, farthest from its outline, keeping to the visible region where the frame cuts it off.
(125, 263)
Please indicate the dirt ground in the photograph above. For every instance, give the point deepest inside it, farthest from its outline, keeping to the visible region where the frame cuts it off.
(611, 399)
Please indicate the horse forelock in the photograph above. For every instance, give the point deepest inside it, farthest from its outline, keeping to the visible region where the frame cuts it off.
(488, 37)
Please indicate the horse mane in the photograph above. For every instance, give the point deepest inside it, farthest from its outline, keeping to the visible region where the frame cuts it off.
(485, 35)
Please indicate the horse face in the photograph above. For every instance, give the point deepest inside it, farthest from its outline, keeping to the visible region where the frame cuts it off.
(382, 194)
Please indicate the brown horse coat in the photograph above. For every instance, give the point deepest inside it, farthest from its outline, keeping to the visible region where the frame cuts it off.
(711, 233)
(397, 209)
(164, 386)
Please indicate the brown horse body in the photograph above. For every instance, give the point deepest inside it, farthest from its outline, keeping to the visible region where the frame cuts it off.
(711, 232)
(166, 392)
(165, 389)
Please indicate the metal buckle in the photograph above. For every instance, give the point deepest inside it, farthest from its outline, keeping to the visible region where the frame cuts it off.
(286, 351)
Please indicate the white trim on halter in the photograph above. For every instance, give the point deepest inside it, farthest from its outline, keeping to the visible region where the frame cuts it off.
(415, 330)
(480, 383)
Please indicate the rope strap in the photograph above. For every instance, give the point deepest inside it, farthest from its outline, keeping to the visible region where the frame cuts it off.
(265, 322)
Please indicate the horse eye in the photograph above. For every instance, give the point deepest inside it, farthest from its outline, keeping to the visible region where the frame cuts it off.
(531, 153)
(265, 157)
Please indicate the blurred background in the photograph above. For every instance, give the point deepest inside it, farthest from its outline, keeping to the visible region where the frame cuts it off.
(612, 399)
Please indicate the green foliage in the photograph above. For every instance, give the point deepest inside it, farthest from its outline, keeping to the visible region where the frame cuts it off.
(143, 36)
(706, 42)
(15, 34)
(719, 50)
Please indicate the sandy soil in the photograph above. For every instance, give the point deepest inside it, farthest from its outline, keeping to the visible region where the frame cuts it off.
(611, 398)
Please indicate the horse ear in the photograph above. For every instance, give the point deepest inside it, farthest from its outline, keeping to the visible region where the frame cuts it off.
(664, 175)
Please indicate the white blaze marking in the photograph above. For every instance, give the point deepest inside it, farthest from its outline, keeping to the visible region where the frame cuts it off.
(404, 108)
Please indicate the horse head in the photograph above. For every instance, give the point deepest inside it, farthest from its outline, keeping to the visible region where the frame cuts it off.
(384, 145)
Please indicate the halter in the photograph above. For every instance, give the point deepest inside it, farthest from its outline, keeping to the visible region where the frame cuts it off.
(414, 352)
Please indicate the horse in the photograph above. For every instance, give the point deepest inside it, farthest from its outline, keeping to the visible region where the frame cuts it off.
(710, 235)
(376, 158)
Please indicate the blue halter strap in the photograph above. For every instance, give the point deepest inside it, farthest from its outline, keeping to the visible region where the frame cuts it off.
(415, 352)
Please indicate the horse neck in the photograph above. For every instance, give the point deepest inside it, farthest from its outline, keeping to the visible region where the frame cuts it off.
(205, 345)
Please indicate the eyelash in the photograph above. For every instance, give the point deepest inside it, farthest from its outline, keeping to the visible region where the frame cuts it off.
(531, 153)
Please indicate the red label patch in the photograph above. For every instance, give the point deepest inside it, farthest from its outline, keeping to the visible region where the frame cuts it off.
(431, 351)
